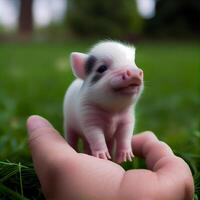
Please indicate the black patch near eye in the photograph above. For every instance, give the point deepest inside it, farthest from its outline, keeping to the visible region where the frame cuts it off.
(96, 78)
(102, 68)
(90, 64)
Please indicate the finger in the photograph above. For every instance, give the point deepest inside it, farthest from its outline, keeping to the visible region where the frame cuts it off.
(160, 158)
(43, 137)
(146, 145)
(45, 143)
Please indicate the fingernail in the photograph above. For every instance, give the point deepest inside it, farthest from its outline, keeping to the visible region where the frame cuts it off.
(35, 122)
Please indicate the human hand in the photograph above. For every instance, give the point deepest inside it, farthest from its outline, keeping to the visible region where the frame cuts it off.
(65, 174)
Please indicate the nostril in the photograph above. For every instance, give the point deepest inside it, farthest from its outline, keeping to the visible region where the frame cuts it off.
(128, 73)
(140, 73)
(123, 77)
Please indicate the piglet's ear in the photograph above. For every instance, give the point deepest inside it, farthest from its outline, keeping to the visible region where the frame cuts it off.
(78, 64)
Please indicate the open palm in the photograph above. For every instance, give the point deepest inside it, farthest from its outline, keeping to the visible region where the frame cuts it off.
(67, 175)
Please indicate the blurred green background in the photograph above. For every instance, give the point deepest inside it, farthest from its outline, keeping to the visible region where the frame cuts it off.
(36, 38)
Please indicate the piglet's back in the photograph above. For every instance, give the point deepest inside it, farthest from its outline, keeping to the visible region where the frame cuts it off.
(71, 100)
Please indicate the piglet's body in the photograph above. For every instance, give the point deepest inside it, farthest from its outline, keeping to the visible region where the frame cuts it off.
(99, 105)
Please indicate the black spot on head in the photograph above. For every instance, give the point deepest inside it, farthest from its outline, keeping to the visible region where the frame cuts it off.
(90, 64)
(95, 78)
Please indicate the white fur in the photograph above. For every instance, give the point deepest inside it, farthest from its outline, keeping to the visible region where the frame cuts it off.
(115, 51)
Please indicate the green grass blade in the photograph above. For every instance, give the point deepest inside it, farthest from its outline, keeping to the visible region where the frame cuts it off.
(20, 178)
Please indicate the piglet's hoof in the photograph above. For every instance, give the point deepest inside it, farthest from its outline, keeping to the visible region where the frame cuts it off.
(103, 154)
(124, 155)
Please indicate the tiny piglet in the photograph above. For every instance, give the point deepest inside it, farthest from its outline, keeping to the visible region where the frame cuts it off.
(99, 105)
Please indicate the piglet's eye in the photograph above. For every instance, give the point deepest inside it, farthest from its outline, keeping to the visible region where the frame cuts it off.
(102, 68)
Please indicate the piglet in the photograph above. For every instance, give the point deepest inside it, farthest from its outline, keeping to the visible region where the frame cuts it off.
(99, 105)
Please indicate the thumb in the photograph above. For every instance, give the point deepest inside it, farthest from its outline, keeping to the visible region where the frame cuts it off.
(45, 143)
(48, 149)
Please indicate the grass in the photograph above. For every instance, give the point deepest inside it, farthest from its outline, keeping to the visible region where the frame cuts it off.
(33, 80)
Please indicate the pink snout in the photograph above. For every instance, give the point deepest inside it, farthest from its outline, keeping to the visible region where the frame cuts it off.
(132, 74)
(126, 78)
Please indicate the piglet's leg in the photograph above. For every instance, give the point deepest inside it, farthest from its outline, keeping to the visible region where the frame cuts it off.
(86, 147)
(123, 138)
(72, 139)
(97, 143)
